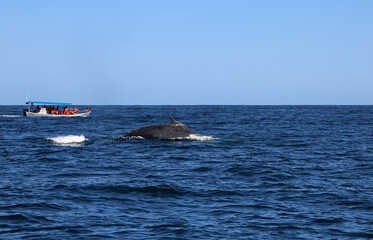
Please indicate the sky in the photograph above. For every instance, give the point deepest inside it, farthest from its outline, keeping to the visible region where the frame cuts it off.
(187, 52)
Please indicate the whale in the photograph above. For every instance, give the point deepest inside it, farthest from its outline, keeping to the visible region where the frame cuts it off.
(170, 131)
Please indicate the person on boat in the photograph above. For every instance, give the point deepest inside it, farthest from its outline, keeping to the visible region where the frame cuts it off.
(37, 108)
(76, 109)
(57, 109)
(44, 109)
(66, 110)
(88, 108)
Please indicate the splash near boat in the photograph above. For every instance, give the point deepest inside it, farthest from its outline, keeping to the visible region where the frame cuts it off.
(52, 109)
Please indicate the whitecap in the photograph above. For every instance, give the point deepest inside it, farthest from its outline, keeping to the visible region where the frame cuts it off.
(70, 140)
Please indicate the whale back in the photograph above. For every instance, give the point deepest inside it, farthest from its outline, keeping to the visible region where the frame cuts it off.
(169, 131)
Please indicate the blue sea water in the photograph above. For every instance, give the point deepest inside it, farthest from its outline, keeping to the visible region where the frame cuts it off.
(271, 172)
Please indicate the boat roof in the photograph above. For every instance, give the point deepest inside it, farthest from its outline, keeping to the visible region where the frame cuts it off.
(48, 103)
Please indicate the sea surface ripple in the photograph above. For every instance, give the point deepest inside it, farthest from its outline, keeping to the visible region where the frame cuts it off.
(270, 172)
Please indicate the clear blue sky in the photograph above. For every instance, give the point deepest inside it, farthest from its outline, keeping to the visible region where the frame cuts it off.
(187, 52)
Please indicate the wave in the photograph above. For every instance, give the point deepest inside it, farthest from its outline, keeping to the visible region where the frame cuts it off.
(16, 216)
(70, 140)
(108, 189)
(10, 116)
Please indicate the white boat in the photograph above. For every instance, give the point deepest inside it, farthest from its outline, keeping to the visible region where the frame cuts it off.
(42, 112)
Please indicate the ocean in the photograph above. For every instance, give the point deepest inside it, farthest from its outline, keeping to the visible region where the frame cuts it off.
(259, 172)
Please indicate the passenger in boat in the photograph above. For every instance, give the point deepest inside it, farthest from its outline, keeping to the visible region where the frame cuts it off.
(66, 110)
(76, 110)
(37, 108)
(57, 109)
(88, 108)
(49, 109)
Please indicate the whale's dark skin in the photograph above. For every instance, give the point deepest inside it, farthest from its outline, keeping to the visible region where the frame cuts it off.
(169, 131)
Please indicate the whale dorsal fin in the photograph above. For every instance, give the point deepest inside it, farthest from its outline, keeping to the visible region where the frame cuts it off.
(173, 121)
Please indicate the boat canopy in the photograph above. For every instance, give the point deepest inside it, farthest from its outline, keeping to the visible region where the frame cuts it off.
(48, 103)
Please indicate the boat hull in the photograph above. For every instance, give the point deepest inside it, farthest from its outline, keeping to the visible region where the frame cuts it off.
(34, 114)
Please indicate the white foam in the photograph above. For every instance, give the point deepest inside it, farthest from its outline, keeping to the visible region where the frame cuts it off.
(68, 140)
(197, 137)
(191, 137)
(135, 137)
(10, 116)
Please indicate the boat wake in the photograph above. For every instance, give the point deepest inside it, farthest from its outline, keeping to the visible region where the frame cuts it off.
(10, 116)
(70, 140)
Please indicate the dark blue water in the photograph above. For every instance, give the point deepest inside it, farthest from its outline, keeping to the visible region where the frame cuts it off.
(274, 172)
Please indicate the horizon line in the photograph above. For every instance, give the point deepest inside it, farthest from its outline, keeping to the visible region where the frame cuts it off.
(205, 104)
